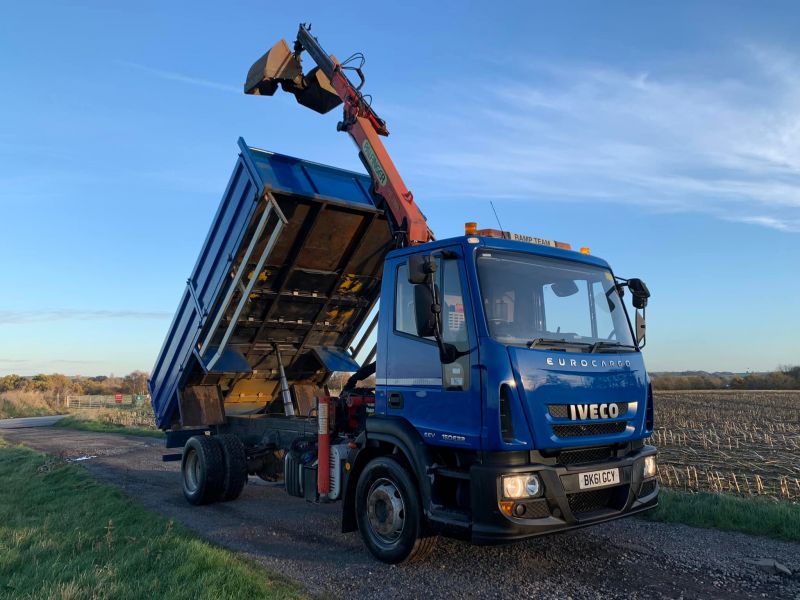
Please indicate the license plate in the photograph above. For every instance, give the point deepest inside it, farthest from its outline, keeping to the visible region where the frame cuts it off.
(594, 479)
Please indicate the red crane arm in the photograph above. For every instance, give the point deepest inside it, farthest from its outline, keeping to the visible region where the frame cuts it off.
(279, 65)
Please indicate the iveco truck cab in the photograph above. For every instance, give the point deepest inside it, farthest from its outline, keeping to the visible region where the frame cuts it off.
(517, 366)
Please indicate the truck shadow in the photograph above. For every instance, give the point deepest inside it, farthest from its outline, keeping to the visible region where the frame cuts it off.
(304, 540)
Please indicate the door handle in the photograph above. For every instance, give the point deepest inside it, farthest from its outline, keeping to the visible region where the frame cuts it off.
(395, 400)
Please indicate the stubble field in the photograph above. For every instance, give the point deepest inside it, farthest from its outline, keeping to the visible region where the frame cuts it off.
(740, 442)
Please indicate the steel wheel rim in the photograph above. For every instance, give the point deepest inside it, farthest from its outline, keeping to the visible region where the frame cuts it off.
(386, 511)
(191, 472)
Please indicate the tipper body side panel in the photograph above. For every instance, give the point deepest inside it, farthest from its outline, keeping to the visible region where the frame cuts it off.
(291, 267)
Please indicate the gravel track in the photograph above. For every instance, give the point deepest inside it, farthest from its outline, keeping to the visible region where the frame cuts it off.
(629, 558)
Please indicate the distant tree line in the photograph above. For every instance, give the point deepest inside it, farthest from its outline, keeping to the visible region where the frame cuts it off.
(784, 378)
(58, 386)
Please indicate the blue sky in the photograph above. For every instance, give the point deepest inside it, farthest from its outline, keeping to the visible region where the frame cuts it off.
(665, 136)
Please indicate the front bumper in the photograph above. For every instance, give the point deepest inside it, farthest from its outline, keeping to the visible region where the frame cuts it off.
(563, 505)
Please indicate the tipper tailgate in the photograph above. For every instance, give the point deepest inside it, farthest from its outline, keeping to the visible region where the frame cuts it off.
(292, 264)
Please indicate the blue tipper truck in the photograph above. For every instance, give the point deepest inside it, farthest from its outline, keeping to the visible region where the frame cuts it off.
(498, 393)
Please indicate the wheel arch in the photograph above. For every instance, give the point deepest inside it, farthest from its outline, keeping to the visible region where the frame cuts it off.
(387, 436)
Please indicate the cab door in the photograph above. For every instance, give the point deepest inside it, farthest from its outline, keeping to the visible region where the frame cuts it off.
(443, 402)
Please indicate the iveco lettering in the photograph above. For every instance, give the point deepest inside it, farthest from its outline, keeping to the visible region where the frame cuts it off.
(498, 394)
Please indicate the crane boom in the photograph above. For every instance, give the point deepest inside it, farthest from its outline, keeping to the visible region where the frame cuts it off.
(322, 89)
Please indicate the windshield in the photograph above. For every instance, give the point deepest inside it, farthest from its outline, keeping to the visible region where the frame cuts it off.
(532, 300)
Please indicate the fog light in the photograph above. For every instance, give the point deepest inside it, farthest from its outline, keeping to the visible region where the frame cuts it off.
(521, 486)
(650, 469)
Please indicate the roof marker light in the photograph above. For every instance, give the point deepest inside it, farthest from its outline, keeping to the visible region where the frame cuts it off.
(585, 250)
(471, 228)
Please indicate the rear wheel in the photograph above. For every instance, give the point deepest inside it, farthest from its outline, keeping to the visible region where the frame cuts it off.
(389, 513)
(235, 463)
(202, 470)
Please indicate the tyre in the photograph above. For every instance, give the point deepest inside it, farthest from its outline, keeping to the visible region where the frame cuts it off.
(235, 462)
(202, 470)
(389, 513)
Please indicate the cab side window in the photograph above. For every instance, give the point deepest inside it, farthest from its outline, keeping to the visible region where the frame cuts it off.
(454, 326)
(448, 283)
(404, 317)
(456, 375)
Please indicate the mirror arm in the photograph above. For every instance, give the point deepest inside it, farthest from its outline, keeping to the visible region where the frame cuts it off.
(447, 352)
(436, 309)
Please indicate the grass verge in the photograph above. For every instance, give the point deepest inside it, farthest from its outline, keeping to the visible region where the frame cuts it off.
(756, 516)
(16, 404)
(73, 422)
(65, 535)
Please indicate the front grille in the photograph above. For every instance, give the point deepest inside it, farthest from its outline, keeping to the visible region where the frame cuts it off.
(587, 429)
(584, 502)
(648, 487)
(561, 411)
(585, 455)
(613, 498)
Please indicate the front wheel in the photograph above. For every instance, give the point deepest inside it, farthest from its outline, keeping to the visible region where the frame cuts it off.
(389, 513)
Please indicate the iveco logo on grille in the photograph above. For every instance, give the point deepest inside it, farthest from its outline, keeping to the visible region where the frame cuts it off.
(593, 411)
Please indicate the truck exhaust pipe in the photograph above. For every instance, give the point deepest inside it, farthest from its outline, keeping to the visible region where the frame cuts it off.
(324, 409)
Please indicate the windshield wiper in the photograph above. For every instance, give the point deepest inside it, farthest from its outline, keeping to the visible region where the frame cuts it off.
(537, 341)
(604, 344)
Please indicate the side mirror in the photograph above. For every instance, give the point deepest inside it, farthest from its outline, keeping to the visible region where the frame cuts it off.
(639, 292)
(424, 311)
(641, 329)
(420, 269)
(427, 310)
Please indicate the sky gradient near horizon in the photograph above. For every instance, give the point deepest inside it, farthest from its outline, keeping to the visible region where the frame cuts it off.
(665, 136)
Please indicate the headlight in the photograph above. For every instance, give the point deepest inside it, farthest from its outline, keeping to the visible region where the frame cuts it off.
(650, 469)
(521, 486)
